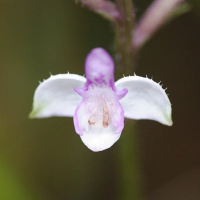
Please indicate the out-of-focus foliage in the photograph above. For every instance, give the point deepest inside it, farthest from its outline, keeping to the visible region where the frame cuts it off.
(11, 185)
(45, 158)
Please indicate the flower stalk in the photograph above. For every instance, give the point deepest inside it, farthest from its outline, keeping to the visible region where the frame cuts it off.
(129, 181)
(130, 184)
(124, 53)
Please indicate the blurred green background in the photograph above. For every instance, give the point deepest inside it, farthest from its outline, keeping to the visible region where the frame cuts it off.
(45, 159)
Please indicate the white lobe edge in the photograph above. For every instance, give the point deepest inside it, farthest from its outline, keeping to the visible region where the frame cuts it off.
(56, 96)
(145, 99)
(100, 140)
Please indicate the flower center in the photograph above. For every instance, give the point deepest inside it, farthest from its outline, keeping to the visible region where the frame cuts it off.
(100, 114)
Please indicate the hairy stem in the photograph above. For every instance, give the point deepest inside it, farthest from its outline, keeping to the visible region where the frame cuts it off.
(129, 180)
(123, 38)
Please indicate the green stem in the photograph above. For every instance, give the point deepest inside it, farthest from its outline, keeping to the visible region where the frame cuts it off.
(124, 54)
(130, 185)
(129, 172)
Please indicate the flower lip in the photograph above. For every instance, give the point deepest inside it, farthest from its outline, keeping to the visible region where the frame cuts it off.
(99, 119)
(100, 103)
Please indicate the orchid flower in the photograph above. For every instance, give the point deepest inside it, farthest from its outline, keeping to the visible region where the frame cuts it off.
(97, 104)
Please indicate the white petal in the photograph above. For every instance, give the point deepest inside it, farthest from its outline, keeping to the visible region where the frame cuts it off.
(56, 96)
(145, 99)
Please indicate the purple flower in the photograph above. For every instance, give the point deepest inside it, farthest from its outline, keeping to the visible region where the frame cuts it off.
(98, 104)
